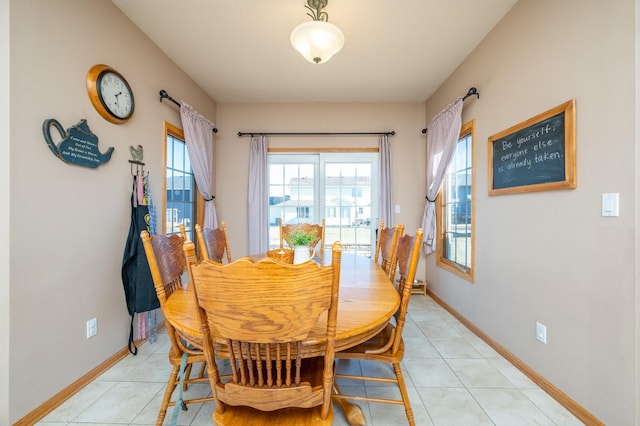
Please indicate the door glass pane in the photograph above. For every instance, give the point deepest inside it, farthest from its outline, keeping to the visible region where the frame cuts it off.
(292, 193)
(347, 199)
(338, 188)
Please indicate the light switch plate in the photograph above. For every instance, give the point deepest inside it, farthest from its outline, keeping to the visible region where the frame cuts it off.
(541, 333)
(92, 327)
(610, 204)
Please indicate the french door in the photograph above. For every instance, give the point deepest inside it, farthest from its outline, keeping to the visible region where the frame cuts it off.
(341, 188)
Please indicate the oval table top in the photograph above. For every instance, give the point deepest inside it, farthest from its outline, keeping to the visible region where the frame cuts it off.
(366, 302)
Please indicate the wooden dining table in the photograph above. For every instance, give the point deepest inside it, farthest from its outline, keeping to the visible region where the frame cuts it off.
(367, 300)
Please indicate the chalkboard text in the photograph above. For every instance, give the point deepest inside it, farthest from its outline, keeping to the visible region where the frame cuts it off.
(533, 153)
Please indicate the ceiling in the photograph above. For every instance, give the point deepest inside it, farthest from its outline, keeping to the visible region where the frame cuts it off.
(239, 50)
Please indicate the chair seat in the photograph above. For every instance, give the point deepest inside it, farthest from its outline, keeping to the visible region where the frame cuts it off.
(195, 355)
(359, 352)
(246, 416)
(307, 394)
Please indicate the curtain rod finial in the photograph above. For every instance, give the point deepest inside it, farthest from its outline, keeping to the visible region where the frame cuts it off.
(472, 91)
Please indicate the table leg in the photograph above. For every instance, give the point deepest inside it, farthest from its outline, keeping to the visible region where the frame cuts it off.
(351, 411)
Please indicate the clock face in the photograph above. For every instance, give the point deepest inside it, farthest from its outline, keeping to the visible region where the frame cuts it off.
(110, 94)
(115, 94)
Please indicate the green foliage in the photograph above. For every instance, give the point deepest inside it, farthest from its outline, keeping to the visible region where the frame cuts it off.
(301, 238)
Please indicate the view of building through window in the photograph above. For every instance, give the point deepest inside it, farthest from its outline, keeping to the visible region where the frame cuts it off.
(180, 189)
(456, 207)
(341, 189)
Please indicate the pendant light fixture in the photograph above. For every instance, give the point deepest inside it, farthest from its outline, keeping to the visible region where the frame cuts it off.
(317, 40)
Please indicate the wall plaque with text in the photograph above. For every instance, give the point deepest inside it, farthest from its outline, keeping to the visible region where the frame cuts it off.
(78, 144)
(538, 154)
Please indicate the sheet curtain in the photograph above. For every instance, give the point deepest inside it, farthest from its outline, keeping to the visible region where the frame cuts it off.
(442, 136)
(386, 212)
(198, 135)
(258, 200)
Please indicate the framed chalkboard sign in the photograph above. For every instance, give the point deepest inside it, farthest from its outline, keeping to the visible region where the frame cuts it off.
(538, 154)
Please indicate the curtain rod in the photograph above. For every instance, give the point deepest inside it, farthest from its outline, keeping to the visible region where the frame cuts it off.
(165, 95)
(391, 133)
(472, 91)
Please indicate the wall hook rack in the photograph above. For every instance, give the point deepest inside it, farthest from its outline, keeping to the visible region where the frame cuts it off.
(139, 168)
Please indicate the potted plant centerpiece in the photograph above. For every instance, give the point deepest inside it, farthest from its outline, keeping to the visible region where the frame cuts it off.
(301, 241)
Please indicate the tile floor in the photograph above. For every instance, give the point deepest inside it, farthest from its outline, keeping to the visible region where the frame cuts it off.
(453, 378)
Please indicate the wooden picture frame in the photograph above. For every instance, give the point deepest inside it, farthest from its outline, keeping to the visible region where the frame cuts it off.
(538, 154)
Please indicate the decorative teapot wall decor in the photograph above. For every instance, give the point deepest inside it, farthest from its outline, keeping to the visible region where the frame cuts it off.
(79, 145)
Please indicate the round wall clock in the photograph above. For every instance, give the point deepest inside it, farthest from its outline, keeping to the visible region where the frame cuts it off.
(110, 94)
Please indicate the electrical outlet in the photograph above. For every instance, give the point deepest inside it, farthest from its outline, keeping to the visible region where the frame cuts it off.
(92, 327)
(541, 332)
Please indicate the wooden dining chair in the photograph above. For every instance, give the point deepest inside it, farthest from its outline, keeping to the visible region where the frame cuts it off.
(287, 230)
(167, 263)
(387, 245)
(213, 243)
(257, 315)
(388, 346)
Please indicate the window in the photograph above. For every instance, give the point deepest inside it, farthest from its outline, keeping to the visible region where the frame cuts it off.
(340, 188)
(181, 198)
(455, 248)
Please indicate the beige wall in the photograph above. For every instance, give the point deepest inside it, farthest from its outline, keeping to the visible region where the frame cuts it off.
(637, 240)
(407, 150)
(69, 223)
(550, 256)
(4, 211)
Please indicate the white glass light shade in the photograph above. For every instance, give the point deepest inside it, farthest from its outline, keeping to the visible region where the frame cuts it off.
(317, 41)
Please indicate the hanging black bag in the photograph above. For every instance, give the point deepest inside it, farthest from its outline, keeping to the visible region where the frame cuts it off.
(136, 275)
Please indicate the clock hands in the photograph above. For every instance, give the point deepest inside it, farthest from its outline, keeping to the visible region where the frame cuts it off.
(118, 103)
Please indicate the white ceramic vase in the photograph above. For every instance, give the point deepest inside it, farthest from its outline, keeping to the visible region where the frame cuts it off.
(302, 254)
